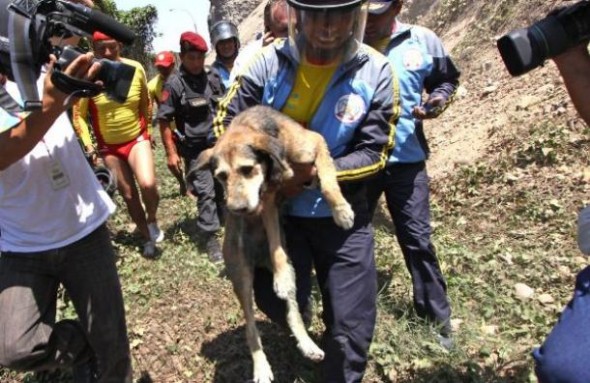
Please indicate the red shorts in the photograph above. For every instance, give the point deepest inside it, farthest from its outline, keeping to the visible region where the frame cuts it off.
(122, 150)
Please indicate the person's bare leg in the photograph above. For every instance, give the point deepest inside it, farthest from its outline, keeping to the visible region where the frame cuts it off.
(141, 160)
(128, 190)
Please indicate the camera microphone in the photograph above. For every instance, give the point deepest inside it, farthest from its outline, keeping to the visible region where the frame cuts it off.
(91, 21)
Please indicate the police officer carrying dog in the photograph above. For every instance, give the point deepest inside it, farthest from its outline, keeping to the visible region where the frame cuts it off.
(188, 99)
(323, 77)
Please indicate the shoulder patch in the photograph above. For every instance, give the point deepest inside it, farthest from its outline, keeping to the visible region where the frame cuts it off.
(350, 108)
(165, 95)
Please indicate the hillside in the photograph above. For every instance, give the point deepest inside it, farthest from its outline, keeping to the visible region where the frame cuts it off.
(510, 170)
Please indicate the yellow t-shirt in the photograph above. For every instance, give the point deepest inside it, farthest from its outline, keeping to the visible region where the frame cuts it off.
(308, 91)
(112, 122)
(155, 86)
(382, 44)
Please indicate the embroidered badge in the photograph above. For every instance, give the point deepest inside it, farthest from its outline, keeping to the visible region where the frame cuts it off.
(350, 108)
(165, 95)
(413, 59)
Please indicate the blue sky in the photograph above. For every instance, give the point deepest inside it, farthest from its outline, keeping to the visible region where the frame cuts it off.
(172, 23)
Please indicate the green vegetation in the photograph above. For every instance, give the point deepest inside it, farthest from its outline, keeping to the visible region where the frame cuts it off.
(506, 221)
(142, 21)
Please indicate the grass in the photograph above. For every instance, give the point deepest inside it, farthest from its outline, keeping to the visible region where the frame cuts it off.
(185, 325)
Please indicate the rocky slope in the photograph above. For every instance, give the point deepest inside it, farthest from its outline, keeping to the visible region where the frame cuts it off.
(490, 101)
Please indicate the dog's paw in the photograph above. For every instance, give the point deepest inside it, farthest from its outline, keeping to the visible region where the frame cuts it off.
(263, 373)
(343, 215)
(284, 283)
(310, 350)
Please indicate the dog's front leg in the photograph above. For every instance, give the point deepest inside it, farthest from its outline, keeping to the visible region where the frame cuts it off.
(341, 210)
(283, 273)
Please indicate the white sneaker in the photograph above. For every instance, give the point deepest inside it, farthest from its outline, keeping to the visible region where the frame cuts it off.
(156, 234)
(149, 249)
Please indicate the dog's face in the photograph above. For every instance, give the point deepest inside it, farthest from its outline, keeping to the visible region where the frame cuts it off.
(247, 164)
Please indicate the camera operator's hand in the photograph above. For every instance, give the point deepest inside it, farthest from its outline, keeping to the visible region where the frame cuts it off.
(82, 68)
(574, 67)
(16, 142)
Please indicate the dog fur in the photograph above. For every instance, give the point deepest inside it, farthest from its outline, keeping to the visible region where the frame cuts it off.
(252, 160)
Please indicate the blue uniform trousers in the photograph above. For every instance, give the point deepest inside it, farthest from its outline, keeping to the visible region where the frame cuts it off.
(406, 188)
(565, 355)
(346, 274)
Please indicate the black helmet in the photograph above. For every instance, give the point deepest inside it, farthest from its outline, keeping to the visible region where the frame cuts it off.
(106, 178)
(324, 4)
(223, 30)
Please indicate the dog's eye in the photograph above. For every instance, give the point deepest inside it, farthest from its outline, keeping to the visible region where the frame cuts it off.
(246, 170)
(221, 176)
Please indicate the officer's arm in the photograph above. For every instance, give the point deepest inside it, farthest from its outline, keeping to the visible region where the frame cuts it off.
(166, 114)
(16, 142)
(443, 81)
(373, 140)
(245, 91)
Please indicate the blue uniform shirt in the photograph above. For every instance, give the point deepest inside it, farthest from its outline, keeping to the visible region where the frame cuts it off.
(422, 65)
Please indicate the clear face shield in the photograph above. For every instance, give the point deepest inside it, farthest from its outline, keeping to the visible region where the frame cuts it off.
(326, 36)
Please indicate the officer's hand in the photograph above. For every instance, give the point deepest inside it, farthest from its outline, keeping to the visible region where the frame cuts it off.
(304, 175)
(430, 109)
(267, 38)
(175, 164)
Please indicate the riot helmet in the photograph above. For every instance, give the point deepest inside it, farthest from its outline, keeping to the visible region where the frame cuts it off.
(326, 31)
(225, 30)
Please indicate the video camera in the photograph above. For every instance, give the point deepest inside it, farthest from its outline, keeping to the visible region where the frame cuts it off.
(26, 27)
(525, 49)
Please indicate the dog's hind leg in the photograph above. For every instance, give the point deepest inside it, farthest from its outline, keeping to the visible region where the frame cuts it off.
(304, 343)
(241, 275)
(284, 283)
(243, 289)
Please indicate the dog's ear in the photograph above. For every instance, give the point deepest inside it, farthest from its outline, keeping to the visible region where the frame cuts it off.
(273, 151)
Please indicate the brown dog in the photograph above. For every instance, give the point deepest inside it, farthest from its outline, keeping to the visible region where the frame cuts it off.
(252, 160)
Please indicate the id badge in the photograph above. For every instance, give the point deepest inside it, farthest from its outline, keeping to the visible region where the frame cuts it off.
(197, 102)
(58, 177)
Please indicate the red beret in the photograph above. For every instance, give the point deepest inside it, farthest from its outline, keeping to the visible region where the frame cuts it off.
(99, 36)
(164, 59)
(194, 40)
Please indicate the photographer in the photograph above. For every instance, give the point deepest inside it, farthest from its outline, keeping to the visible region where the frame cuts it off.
(52, 232)
(564, 356)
